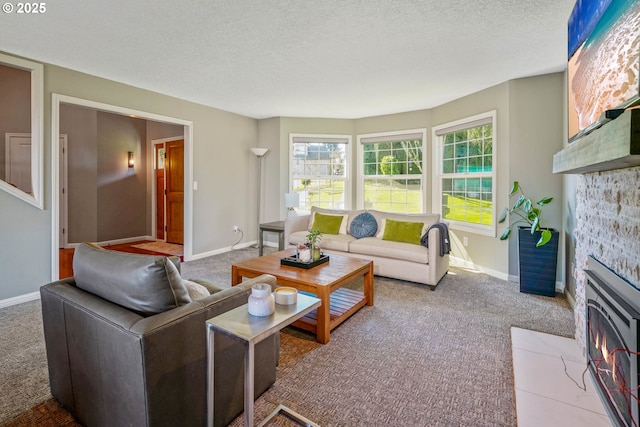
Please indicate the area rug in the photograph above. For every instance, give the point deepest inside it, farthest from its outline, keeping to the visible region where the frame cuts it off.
(162, 247)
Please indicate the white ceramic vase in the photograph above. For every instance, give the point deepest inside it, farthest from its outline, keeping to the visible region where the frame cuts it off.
(261, 301)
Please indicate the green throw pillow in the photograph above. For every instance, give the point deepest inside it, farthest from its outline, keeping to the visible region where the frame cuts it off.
(328, 224)
(401, 231)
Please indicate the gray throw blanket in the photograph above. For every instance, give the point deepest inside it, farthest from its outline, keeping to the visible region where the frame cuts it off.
(445, 247)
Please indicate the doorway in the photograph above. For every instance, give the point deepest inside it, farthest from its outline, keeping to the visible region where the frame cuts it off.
(187, 194)
(169, 189)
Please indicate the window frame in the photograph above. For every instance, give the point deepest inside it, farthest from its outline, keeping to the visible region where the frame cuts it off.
(438, 134)
(36, 71)
(391, 137)
(323, 138)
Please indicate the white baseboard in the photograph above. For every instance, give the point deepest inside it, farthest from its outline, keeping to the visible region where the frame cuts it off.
(229, 249)
(222, 250)
(19, 299)
(462, 263)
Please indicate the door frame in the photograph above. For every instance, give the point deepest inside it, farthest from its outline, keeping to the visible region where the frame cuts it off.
(56, 100)
(152, 155)
(63, 153)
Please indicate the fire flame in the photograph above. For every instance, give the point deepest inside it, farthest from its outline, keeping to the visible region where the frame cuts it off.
(609, 357)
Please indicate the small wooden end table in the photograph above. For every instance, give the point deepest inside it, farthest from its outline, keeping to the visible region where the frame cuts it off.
(274, 227)
(326, 281)
(239, 325)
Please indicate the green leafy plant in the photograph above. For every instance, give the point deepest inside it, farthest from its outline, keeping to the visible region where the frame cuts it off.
(313, 236)
(525, 211)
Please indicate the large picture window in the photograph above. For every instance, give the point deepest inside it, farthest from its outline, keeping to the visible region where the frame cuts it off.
(464, 154)
(392, 171)
(319, 170)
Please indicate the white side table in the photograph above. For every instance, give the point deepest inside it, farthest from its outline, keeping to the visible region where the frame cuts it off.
(239, 325)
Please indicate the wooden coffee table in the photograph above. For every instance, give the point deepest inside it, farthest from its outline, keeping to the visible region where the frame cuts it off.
(326, 281)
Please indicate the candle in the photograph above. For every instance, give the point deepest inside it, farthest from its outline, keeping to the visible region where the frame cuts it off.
(286, 296)
(304, 253)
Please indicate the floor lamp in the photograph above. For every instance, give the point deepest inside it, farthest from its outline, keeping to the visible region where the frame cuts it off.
(259, 152)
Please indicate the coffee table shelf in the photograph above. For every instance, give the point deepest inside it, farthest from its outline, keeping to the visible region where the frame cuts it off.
(344, 303)
(325, 281)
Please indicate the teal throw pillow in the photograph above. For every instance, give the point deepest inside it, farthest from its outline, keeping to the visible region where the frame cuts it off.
(364, 225)
(328, 224)
(402, 231)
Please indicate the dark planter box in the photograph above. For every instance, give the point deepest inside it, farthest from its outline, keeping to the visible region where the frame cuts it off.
(537, 265)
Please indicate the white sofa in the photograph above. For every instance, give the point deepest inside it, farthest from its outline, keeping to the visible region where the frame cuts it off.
(399, 260)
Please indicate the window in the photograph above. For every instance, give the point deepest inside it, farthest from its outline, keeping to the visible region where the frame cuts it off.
(464, 156)
(392, 171)
(319, 170)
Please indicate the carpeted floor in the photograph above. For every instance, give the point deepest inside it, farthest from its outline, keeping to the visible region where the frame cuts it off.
(417, 357)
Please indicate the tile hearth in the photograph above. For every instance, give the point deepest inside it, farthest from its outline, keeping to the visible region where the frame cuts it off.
(545, 394)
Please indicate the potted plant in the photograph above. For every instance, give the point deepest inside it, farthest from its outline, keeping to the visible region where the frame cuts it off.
(537, 244)
(313, 237)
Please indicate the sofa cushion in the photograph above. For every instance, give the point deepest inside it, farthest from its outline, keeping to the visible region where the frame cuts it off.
(344, 227)
(328, 224)
(143, 283)
(387, 249)
(427, 219)
(363, 225)
(403, 231)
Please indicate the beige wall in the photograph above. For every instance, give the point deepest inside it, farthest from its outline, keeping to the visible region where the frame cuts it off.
(536, 133)
(222, 165)
(226, 170)
(487, 252)
(529, 124)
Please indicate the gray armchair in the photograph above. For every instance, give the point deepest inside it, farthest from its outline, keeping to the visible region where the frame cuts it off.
(127, 346)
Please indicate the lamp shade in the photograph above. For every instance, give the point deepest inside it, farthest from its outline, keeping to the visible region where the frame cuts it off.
(259, 151)
(291, 200)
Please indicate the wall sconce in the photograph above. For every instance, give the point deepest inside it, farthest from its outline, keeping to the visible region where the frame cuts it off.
(130, 161)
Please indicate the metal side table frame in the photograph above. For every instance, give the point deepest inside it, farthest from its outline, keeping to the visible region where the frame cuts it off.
(239, 325)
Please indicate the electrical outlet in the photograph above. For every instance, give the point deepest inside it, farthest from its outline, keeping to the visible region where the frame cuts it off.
(465, 241)
(236, 228)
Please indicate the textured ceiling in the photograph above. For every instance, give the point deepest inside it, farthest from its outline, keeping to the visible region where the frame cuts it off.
(322, 58)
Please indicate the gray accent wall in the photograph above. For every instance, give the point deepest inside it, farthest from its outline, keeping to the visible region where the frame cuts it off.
(81, 127)
(122, 191)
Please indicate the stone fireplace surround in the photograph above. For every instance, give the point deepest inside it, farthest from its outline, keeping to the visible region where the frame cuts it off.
(607, 227)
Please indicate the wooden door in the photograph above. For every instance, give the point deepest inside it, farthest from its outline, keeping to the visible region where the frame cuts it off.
(160, 190)
(174, 178)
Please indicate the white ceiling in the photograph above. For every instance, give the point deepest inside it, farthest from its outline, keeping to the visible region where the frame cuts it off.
(299, 58)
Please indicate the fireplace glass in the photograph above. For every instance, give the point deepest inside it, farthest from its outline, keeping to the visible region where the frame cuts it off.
(612, 344)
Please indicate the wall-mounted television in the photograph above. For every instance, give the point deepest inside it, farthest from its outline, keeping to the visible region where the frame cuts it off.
(604, 57)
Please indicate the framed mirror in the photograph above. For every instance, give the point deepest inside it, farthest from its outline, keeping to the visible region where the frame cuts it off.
(21, 133)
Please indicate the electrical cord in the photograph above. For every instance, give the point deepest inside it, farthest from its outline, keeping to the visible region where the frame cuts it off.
(239, 239)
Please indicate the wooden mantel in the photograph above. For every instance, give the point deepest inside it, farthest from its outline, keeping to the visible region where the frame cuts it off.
(615, 145)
